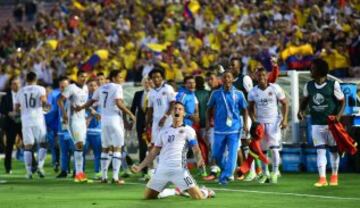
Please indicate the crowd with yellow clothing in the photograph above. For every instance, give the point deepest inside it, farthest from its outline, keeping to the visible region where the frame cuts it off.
(185, 37)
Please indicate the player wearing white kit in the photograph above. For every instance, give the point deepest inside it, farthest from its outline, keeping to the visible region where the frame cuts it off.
(172, 145)
(160, 105)
(263, 107)
(110, 98)
(76, 94)
(30, 101)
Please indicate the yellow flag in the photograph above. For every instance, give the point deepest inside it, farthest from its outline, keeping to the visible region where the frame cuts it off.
(194, 6)
(78, 6)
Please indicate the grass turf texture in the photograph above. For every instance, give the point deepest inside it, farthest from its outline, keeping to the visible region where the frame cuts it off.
(293, 190)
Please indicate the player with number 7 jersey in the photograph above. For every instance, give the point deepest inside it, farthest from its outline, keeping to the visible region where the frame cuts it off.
(110, 99)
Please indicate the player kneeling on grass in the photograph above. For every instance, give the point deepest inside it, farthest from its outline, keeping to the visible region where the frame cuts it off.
(172, 144)
(110, 98)
(30, 100)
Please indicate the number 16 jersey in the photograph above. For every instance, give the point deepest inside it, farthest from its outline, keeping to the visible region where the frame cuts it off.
(29, 98)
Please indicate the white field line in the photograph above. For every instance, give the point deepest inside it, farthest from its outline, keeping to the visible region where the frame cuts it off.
(247, 191)
(278, 193)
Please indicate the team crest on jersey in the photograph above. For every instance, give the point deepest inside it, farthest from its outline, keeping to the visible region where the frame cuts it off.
(164, 93)
(270, 94)
(181, 131)
(318, 98)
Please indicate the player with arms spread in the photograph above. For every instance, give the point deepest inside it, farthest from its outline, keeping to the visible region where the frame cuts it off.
(172, 145)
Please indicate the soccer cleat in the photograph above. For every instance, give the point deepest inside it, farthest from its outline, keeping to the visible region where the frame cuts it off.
(334, 180)
(63, 174)
(56, 167)
(224, 181)
(41, 173)
(28, 176)
(126, 173)
(240, 178)
(97, 176)
(274, 178)
(250, 176)
(263, 179)
(118, 182)
(321, 183)
(80, 177)
(105, 180)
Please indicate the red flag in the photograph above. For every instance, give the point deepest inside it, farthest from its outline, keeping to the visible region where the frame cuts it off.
(343, 140)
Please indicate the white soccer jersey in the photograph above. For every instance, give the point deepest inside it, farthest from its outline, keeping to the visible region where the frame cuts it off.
(159, 100)
(77, 96)
(106, 96)
(174, 143)
(29, 98)
(266, 102)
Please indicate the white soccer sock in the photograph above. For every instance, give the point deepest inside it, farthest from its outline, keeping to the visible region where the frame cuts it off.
(265, 167)
(275, 160)
(335, 161)
(41, 158)
(246, 151)
(28, 161)
(79, 161)
(116, 165)
(252, 168)
(104, 162)
(321, 162)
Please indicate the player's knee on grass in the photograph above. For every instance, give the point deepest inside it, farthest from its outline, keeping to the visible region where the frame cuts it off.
(150, 194)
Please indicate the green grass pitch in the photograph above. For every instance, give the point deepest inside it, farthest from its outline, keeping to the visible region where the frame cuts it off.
(293, 190)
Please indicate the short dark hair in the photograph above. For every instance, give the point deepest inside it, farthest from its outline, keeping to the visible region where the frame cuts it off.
(179, 103)
(321, 66)
(63, 78)
(209, 74)
(100, 74)
(188, 78)
(235, 59)
(91, 80)
(157, 69)
(31, 76)
(80, 72)
(200, 82)
(113, 74)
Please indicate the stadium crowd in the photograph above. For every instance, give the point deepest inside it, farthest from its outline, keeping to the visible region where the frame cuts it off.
(188, 42)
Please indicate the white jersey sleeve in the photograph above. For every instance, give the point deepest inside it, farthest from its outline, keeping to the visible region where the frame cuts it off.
(337, 91)
(151, 100)
(96, 95)
(191, 136)
(171, 94)
(119, 93)
(69, 90)
(280, 94)
(251, 95)
(159, 141)
(247, 83)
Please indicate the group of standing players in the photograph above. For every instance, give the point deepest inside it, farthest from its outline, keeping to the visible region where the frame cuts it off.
(176, 123)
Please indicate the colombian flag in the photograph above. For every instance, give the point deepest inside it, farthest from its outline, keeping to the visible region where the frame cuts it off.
(98, 56)
(191, 7)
